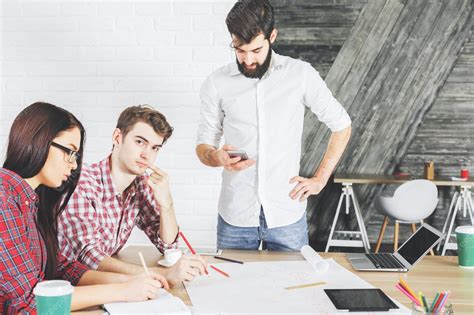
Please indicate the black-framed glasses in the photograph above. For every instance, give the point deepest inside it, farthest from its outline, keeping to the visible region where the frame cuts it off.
(72, 156)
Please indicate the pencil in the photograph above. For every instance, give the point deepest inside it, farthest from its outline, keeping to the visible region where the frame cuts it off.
(219, 271)
(305, 285)
(144, 265)
(443, 302)
(434, 302)
(194, 253)
(423, 300)
(412, 298)
(440, 298)
(404, 284)
(228, 259)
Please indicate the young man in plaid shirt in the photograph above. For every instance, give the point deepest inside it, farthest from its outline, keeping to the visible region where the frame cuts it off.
(116, 194)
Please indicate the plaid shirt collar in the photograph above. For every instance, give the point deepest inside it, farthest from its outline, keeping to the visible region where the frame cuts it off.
(27, 195)
(110, 190)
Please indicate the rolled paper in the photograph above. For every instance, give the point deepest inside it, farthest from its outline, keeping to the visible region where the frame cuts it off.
(319, 264)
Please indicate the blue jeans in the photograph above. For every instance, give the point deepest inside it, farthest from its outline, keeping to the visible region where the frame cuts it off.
(285, 238)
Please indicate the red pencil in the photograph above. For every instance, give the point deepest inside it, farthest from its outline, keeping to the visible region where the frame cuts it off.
(187, 243)
(220, 271)
(440, 298)
(194, 253)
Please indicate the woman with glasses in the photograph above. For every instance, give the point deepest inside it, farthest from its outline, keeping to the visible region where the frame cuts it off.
(41, 170)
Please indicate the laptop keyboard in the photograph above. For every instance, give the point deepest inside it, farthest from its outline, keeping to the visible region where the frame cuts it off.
(385, 261)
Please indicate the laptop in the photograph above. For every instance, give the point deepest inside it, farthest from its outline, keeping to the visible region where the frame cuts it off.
(412, 251)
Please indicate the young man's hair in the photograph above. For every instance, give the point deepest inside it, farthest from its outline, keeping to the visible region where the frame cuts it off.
(146, 114)
(249, 18)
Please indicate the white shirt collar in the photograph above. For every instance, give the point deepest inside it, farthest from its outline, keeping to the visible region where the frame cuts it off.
(276, 62)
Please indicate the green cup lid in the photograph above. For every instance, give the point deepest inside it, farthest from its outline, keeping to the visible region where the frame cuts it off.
(467, 229)
(53, 288)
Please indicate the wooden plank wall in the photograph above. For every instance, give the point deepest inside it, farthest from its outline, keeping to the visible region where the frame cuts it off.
(314, 30)
(394, 61)
(446, 134)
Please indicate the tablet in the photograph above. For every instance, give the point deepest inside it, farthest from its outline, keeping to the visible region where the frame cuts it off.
(360, 300)
(203, 251)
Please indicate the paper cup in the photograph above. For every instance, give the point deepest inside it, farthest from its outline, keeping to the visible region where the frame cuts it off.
(465, 239)
(53, 297)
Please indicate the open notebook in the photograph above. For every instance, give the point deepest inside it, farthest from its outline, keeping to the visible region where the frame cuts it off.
(164, 304)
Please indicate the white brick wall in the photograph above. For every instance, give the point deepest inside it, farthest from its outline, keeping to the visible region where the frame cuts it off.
(97, 57)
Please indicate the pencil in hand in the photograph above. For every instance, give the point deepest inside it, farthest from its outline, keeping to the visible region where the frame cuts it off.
(194, 253)
(143, 264)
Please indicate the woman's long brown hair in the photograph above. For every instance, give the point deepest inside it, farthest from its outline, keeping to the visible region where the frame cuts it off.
(28, 146)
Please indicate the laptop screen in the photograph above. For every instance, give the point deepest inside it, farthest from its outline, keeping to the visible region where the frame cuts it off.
(417, 245)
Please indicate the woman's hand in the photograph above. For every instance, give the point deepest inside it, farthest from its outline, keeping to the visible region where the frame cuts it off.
(142, 288)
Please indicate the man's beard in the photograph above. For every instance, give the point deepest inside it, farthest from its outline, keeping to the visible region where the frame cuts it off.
(259, 70)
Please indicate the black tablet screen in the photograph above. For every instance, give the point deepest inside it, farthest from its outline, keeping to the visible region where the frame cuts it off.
(360, 299)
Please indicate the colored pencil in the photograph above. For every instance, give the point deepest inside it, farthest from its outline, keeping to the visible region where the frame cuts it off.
(305, 285)
(219, 271)
(228, 259)
(434, 302)
(423, 299)
(194, 253)
(443, 302)
(440, 298)
(404, 284)
(413, 299)
(187, 243)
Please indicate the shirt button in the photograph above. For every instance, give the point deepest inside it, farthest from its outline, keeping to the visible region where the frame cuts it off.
(27, 202)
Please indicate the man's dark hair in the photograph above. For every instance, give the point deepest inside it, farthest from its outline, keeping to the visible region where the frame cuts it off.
(249, 18)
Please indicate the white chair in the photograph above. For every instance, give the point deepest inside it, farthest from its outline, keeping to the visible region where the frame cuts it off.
(412, 202)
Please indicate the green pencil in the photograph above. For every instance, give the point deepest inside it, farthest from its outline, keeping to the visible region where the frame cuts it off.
(423, 299)
(434, 302)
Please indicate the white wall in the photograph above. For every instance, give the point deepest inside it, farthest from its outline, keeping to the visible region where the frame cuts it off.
(95, 58)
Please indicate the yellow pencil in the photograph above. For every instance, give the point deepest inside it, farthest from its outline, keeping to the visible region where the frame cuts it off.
(305, 285)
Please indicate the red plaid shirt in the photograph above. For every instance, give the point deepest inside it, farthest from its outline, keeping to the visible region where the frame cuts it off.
(98, 220)
(22, 249)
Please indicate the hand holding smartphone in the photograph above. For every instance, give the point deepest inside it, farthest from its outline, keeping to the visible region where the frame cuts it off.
(238, 153)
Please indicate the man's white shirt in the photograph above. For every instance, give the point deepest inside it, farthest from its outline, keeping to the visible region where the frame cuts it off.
(265, 118)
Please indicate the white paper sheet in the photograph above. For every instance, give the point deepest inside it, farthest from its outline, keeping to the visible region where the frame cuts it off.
(259, 288)
(164, 304)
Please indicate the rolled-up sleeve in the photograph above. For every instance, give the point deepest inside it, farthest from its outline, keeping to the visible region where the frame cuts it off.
(79, 236)
(71, 271)
(210, 128)
(320, 100)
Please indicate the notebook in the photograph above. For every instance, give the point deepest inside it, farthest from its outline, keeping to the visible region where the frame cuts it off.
(412, 251)
(166, 303)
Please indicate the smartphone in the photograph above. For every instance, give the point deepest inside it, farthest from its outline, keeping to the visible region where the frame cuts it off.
(238, 153)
